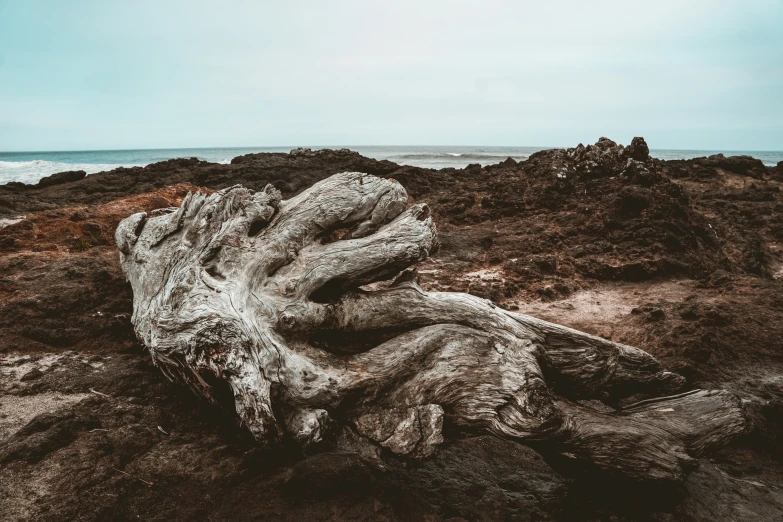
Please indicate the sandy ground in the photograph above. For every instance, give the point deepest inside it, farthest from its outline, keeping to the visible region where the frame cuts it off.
(18, 410)
(600, 310)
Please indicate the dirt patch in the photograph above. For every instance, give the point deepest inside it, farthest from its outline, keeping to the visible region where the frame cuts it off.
(17, 411)
(604, 308)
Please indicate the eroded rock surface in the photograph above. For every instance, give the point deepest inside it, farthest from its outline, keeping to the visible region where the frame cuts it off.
(715, 320)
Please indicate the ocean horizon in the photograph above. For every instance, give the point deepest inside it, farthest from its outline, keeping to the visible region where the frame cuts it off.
(29, 167)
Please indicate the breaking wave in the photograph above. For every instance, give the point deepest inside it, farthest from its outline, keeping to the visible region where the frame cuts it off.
(453, 159)
(31, 171)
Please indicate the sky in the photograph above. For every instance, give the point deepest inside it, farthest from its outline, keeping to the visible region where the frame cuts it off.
(83, 75)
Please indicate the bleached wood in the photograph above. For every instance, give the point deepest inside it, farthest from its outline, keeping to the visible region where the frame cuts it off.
(243, 288)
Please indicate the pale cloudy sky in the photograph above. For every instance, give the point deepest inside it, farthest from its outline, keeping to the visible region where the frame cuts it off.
(685, 74)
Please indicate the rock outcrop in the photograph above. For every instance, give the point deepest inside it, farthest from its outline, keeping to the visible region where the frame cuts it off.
(116, 440)
(61, 177)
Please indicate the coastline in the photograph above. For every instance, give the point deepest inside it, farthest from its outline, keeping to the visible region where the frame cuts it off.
(680, 258)
(29, 167)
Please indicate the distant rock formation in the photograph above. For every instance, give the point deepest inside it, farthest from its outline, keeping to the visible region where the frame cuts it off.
(61, 177)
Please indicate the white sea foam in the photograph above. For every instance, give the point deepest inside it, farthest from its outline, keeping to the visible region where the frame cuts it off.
(32, 171)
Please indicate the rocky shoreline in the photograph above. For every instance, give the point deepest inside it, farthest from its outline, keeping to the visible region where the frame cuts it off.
(682, 258)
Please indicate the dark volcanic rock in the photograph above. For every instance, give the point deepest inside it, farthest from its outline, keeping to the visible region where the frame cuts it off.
(61, 177)
(329, 475)
(711, 167)
(483, 478)
(746, 165)
(70, 291)
(603, 215)
(587, 218)
(291, 173)
(638, 149)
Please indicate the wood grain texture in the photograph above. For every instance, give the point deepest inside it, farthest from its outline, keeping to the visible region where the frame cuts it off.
(265, 295)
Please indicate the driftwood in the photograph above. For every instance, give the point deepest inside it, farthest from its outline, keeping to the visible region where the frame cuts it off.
(271, 297)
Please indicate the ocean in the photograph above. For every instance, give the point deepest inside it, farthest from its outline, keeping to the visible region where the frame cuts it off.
(29, 167)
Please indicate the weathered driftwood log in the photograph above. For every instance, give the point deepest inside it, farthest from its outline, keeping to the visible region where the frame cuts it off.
(266, 295)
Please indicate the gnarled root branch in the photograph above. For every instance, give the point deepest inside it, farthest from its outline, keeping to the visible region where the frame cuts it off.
(266, 295)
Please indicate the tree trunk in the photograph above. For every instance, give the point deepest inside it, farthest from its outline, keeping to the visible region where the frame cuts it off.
(267, 295)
